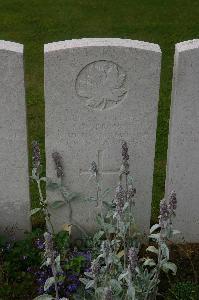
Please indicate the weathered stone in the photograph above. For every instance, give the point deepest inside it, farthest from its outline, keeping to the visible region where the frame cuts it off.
(183, 149)
(99, 92)
(14, 182)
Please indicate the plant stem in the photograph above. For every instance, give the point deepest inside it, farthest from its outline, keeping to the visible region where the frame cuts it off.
(45, 210)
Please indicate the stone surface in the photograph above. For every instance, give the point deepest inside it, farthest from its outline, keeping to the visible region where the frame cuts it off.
(183, 149)
(14, 182)
(99, 92)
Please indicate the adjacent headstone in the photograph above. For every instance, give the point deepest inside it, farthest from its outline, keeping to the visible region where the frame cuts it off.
(183, 149)
(14, 177)
(99, 92)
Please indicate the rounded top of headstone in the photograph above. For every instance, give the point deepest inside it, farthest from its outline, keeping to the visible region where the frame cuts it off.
(11, 46)
(187, 45)
(92, 42)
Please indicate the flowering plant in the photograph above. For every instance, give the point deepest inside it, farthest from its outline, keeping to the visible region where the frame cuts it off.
(117, 272)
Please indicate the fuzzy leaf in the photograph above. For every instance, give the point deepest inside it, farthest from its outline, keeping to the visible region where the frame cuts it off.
(50, 281)
(120, 254)
(123, 275)
(44, 297)
(115, 286)
(152, 249)
(84, 280)
(131, 292)
(154, 227)
(149, 262)
(165, 250)
(154, 236)
(57, 204)
(98, 235)
(90, 284)
(175, 231)
(43, 179)
(51, 185)
(169, 266)
(35, 210)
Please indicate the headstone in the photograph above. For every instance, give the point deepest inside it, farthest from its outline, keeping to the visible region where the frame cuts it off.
(183, 149)
(14, 177)
(99, 92)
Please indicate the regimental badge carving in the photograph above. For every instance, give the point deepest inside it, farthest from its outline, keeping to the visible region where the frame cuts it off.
(101, 84)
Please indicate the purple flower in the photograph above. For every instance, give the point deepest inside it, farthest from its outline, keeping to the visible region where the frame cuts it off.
(72, 277)
(172, 202)
(93, 169)
(125, 158)
(132, 258)
(119, 199)
(72, 288)
(39, 244)
(164, 213)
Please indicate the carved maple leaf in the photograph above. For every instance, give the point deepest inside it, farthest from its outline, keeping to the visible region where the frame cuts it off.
(102, 84)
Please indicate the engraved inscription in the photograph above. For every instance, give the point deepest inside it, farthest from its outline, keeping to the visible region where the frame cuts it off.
(102, 84)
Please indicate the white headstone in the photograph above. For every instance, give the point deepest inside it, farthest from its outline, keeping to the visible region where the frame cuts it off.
(99, 92)
(183, 149)
(14, 177)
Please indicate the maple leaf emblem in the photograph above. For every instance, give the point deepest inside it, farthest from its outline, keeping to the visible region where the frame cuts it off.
(101, 84)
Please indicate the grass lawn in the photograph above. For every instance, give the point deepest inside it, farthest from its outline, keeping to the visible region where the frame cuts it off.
(36, 22)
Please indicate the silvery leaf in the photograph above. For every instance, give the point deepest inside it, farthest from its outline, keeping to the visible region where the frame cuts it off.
(90, 284)
(115, 286)
(169, 266)
(149, 262)
(57, 204)
(152, 249)
(52, 185)
(35, 210)
(50, 281)
(154, 227)
(165, 250)
(154, 236)
(131, 292)
(123, 275)
(84, 280)
(44, 297)
(175, 231)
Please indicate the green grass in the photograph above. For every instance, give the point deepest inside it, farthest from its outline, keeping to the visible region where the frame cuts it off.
(36, 22)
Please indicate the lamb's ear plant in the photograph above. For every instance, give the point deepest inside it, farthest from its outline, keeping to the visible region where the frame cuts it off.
(49, 255)
(117, 272)
(36, 172)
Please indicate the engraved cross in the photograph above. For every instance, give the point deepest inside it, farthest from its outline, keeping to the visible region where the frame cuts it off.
(100, 166)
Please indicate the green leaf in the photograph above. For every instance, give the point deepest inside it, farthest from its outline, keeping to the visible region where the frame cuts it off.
(57, 204)
(50, 281)
(169, 266)
(44, 297)
(35, 210)
(154, 227)
(152, 249)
